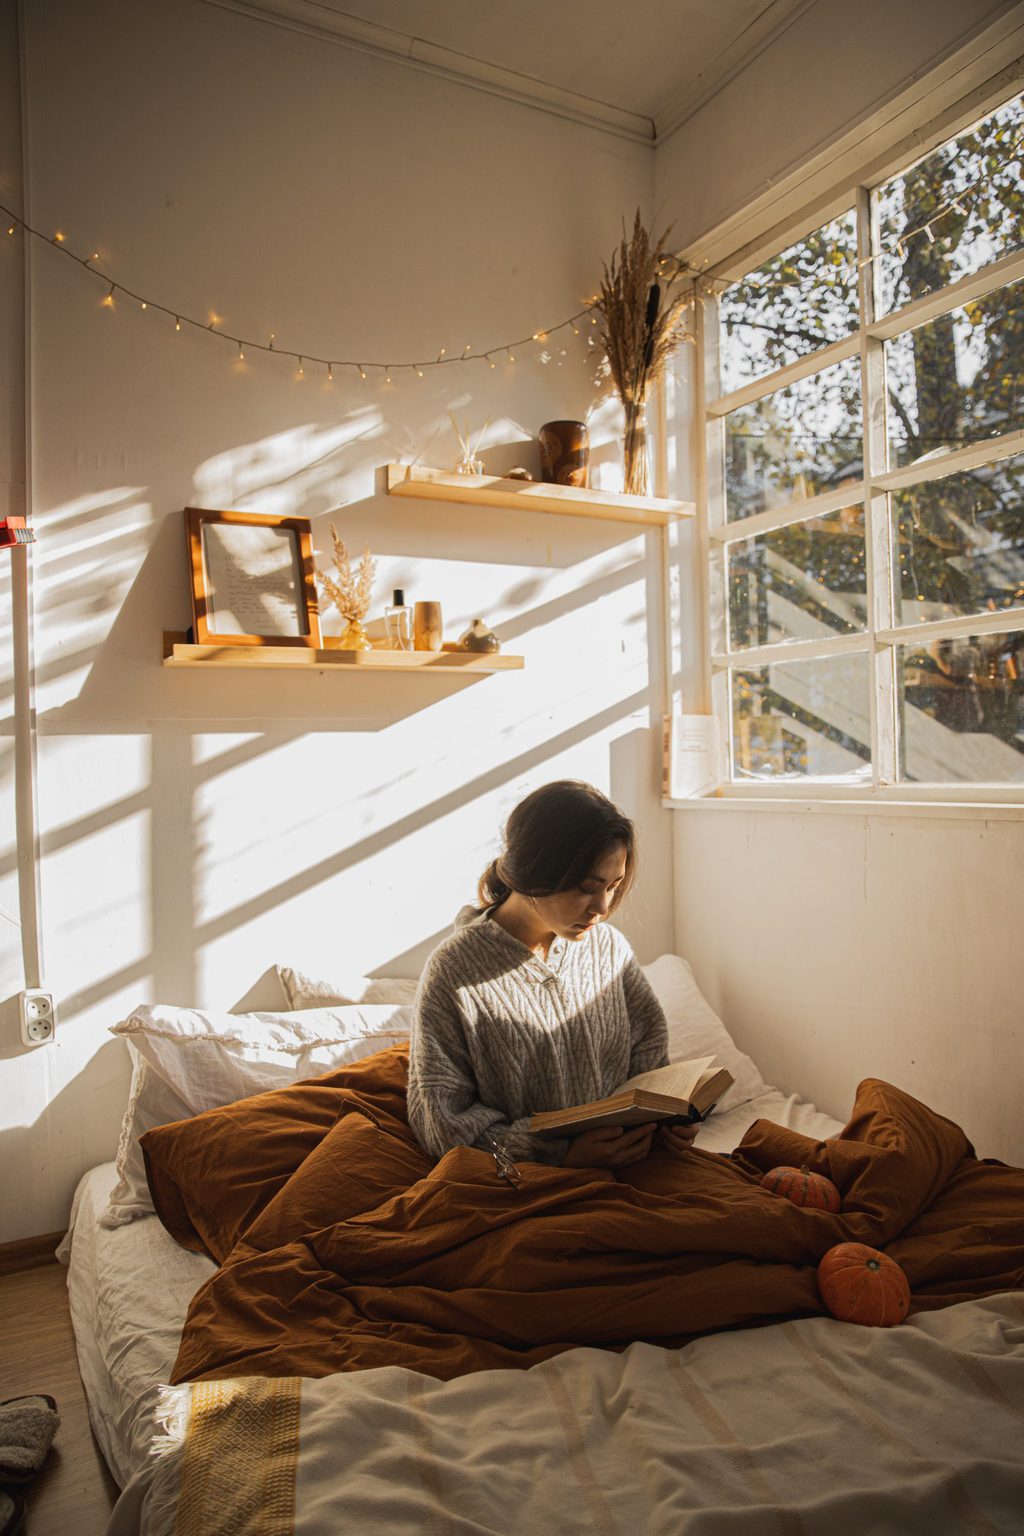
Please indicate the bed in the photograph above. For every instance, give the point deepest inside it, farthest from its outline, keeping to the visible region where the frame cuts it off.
(801, 1426)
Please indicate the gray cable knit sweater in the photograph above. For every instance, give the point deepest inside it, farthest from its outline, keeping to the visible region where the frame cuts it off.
(500, 1034)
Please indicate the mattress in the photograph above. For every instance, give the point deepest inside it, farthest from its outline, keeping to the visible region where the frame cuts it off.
(130, 1286)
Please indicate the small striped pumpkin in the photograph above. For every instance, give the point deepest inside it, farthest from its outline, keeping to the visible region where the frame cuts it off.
(803, 1187)
(859, 1284)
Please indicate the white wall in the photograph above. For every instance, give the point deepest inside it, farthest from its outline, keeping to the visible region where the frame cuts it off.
(196, 829)
(841, 946)
(833, 68)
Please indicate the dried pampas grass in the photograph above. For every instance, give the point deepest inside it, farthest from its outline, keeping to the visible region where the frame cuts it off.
(352, 590)
(641, 326)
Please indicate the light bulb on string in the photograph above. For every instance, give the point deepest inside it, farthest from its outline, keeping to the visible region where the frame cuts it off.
(511, 354)
(362, 371)
(442, 353)
(241, 354)
(59, 237)
(387, 373)
(330, 373)
(270, 346)
(302, 370)
(108, 301)
(419, 370)
(143, 305)
(10, 229)
(177, 323)
(466, 348)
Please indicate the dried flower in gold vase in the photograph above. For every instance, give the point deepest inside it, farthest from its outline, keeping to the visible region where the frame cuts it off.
(350, 593)
(641, 327)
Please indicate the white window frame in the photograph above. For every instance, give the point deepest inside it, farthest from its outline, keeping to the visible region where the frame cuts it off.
(879, 641)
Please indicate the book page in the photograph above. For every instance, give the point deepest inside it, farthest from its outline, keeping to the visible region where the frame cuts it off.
(678, 1079)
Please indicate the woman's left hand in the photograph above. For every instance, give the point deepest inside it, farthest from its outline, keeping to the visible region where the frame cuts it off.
(676, 1138)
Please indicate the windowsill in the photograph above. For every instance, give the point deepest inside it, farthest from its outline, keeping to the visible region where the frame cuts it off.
(863, 805)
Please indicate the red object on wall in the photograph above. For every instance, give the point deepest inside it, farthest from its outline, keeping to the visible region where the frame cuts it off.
(13, 530)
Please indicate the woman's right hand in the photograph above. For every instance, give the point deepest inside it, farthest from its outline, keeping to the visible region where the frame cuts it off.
(611, 1146)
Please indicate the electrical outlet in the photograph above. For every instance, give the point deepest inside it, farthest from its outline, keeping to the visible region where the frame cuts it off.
(38, 1021)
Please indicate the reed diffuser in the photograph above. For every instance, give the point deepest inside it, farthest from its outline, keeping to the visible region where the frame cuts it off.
(641, 326)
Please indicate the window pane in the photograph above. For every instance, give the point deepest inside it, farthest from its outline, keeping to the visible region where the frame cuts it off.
(800, 300)
(796, 582)
(959, 379)
(802, 719)
(800, 441)
(961, 543)
(962, 710)
(953, 212)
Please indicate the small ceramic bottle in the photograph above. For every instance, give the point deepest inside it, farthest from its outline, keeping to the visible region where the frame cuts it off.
(398, 623)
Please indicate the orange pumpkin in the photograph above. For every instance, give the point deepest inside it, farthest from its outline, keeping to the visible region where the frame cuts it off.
(859, 1284)
(803, 1187)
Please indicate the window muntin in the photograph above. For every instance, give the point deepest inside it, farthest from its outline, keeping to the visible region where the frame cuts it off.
(954, 211)
(960, 543)
(802, 440)
(807, 579)
(959, 379)
(802, 719)
(957, 528)
(962, 709)
(792, 305)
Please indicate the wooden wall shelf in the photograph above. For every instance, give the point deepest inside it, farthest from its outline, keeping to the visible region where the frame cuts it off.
(533, 496)
(179, 653)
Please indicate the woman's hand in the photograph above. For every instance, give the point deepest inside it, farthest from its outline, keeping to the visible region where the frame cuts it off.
(677, 1138)
(611, 1146)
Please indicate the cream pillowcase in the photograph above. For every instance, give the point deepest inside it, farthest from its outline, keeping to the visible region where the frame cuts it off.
(305, 992)
(185, 1060)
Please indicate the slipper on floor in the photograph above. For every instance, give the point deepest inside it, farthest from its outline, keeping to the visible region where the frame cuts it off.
(12, 1514)
(27, 1428)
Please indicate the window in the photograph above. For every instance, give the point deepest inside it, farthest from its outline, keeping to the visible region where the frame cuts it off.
(865, 484)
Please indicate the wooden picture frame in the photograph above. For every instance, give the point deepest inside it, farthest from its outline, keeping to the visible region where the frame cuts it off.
(252, 579)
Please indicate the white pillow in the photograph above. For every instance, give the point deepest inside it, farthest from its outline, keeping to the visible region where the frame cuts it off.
(185, 1061)
(304, 992)
(694, 1029)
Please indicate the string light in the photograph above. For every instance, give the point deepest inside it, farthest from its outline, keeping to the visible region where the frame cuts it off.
(109, 299)
(177, 323)
(143, 305)
(330, 373)
(362, 370)
(241, 354)
(302, 371)
(59, 237)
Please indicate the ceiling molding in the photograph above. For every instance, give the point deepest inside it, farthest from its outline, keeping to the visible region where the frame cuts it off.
(696, 91)
(315, 19)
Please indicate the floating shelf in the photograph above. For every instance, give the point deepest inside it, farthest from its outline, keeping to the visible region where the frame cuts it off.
(179, 653)
(533, 496)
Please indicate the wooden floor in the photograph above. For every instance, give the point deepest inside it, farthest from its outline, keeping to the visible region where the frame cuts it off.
(73, 1493)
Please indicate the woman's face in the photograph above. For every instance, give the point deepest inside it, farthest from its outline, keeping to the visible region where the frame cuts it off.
(571, 914)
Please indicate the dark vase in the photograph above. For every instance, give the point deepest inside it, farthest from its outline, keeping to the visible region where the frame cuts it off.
(565, 452)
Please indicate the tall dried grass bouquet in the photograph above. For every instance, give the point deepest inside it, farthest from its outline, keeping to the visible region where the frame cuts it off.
(641, 326)
(351, 591)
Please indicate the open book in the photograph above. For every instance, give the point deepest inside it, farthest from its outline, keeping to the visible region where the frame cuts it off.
(684, 1091)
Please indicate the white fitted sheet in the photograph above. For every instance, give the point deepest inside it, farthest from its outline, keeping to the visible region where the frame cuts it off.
(130, 1286)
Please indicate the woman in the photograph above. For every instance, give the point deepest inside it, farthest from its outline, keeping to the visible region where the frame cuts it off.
(534, 1002)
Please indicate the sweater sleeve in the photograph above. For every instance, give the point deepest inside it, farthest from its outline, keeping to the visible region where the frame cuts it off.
(648, 1030)
(444, 1105)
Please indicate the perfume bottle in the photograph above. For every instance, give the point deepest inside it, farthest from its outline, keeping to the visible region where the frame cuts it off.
(398, 623)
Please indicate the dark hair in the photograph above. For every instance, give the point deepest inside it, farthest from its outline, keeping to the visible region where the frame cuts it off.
(553, 839)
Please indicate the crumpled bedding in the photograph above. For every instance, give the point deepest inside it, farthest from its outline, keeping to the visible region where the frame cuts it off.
(366, 1255)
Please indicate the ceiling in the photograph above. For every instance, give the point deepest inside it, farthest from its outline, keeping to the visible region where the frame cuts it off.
(639, 68)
